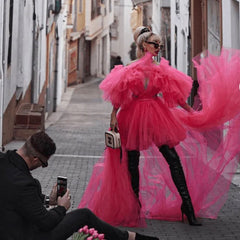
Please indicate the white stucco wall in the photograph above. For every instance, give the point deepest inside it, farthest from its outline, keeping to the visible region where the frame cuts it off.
(231, 23)
(156, 16)
(22, 49)
(19, 73)
(1, 70)
(41, 51)
(95, 46)
(62, 73)
(97, 31)
(181, 21)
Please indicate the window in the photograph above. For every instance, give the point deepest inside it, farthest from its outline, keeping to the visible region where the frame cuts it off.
(177, 6)
(114, 28)
(58, 6)
(103, 3)
(105, 7)
(96, 8)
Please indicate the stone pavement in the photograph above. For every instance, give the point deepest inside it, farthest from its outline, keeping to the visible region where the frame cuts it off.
(78, 129)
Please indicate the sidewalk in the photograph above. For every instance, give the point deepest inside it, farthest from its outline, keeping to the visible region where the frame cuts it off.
(78, 129)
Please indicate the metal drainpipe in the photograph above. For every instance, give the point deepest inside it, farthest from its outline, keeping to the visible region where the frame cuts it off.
(56, 71)
(33, 54)
(1, 74)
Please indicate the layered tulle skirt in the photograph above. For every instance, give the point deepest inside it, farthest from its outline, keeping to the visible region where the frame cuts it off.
(148, 121)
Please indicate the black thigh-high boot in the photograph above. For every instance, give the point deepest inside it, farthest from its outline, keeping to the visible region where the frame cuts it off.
(178, 177)
(133, 162)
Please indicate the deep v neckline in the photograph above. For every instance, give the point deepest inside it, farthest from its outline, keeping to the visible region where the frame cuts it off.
(146, 83)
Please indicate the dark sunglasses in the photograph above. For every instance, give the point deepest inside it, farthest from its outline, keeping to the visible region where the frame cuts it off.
(156, 45)
(44, 164)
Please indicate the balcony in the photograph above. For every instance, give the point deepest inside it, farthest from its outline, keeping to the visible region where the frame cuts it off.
(137, 2)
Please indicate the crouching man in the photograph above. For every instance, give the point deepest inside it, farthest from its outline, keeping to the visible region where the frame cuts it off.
(23, 215)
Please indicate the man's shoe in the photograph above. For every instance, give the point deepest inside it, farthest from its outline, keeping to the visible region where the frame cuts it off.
(142, 237)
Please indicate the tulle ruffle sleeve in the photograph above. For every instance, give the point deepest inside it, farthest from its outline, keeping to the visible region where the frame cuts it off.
(116, 86)
(122, 84)
(175, 85)
(109, 85)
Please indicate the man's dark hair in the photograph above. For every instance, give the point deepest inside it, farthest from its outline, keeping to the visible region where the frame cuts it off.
(43, 144)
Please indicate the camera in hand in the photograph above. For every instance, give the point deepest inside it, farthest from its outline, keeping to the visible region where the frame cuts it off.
(61, 186)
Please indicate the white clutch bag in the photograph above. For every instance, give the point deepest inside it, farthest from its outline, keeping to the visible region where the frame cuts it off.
(112, 139)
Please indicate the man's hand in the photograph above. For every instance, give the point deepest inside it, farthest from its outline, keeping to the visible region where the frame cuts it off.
(64, 200)
(53, 196)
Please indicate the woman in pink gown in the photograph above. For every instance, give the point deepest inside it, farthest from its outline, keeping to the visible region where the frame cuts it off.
(145, 98)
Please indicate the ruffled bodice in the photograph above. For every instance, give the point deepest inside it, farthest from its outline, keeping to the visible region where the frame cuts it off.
(144, 78)
(144, 91)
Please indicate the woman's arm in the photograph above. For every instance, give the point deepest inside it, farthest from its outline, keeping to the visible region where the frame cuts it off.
(113, 121)
(186, 107)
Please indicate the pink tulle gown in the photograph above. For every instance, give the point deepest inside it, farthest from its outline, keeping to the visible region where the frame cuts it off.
(207, 141)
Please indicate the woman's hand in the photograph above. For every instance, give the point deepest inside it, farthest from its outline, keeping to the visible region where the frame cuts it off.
(113, 121)
(187, 108)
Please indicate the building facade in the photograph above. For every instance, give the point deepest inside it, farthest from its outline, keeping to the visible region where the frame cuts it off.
(77, 49)
(32, 69)
(206, 32)
(121, 32)
(180, 26)
(161, 24)
(23, 68)
(231, 24)
(197, 26)
(46, 46)
(98, 18)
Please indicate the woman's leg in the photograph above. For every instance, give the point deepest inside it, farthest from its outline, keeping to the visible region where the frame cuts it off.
(133, 162)
(178, 177)
(76, 219)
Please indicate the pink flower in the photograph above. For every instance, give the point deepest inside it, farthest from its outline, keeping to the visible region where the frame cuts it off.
(95, 234)
(90, 234)
(101, 236)
(91, 231)
(85, 229)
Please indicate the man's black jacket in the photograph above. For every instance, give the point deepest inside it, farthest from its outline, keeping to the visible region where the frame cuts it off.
(22, 213)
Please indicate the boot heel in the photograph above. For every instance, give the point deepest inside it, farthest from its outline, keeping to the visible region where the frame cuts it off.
(182, 215)
(189, 212)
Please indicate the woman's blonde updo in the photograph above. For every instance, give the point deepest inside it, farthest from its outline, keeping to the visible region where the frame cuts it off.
(141, 35)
